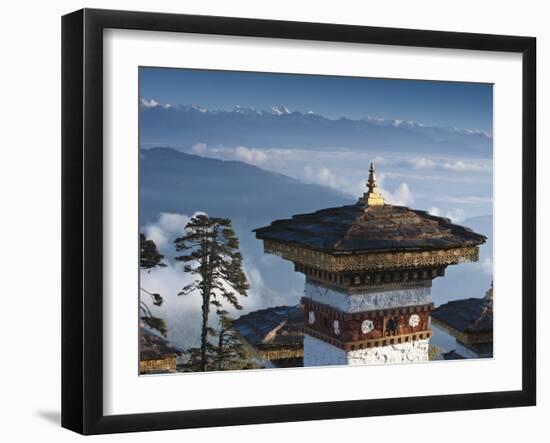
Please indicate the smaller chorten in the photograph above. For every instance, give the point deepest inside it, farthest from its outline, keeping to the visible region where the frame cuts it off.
(372, 197)
(157, 355)
(274, 335)
(470, 322)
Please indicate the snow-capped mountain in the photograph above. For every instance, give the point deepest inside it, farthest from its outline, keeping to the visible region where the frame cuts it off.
(422, 127)
(279, 110)
(151, 103)
(396, 123)
(186, 125)
(246, 110)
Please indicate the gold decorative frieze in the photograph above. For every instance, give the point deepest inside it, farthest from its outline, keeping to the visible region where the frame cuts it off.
(167, 364)
(371, 261)
(283, 353)
(369, 281)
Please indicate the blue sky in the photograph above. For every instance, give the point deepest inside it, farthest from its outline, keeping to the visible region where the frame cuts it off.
(462, 105)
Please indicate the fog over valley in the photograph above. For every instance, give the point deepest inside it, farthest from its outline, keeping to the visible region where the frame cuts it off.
(254, 186)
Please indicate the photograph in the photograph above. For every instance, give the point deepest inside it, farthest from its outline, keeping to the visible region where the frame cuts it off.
(290, 220)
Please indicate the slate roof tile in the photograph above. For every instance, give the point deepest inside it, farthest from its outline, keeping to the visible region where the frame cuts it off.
(354, 228)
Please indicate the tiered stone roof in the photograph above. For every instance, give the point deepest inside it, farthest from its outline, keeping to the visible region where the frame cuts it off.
(370, 225)
(356, 228)
(468, 316)
(274, 333)
(153, 346)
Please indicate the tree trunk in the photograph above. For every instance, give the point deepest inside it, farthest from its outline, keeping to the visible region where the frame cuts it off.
(220, 350)
(205, 274)
(204, 332)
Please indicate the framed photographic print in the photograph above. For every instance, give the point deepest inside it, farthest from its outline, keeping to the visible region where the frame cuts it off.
(269, 221)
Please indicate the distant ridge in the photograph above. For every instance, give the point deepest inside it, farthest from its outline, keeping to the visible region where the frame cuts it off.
(173, 181)
(185, 125)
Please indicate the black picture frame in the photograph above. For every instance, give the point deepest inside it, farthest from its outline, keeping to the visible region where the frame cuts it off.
(82, 218)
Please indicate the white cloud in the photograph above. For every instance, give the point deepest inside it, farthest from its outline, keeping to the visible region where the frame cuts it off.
(322, 176)
(250, 155)
(157, 234)
(456, 215)
(347, 171)
(469, 199)
(422, 163)
(487, 265)
(254, 278)
(338, 181)
(461, 166)
(200, 149)
(435, 211)
(402, 196)
(378, 160)
(477, 132)
(182, 312)
(168, 227)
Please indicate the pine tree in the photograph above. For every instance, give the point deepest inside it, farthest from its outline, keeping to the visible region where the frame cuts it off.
(211, 253)
(149, 255)
(224, 350)
(229, 352)
(194, 362)
(149, 259)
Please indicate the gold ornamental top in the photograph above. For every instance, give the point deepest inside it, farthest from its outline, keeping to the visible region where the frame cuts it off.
(372, 197)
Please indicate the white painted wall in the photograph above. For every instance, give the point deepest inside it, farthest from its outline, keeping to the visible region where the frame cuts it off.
(30, 223)
(319, 353)
(410, 352)
(367, 301)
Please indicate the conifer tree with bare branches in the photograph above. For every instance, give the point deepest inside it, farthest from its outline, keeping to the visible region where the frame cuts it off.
(150, 258)
(210, 252)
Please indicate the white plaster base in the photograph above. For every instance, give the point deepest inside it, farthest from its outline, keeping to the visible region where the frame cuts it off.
(410, 352)
(319, 353)
(367, 301)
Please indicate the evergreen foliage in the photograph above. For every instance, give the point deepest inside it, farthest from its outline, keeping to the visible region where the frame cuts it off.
(149, 256)
(224, 351)
(229, 352)
(149, 259)
(210, 252)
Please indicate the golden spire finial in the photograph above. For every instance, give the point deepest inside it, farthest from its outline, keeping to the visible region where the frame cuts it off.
(372, 197)
(371, 184)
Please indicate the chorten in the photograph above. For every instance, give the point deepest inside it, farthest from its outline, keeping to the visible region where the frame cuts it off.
(470, 322)
(369, 269)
